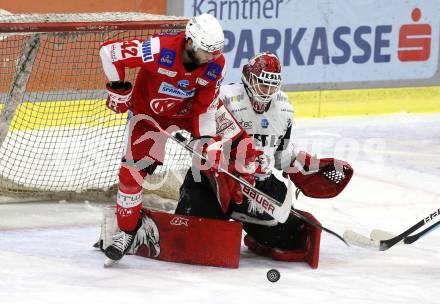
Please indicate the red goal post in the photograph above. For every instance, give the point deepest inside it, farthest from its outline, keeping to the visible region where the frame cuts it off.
(57, 138)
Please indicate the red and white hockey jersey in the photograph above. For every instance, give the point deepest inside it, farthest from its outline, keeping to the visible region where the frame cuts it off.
(163, 86)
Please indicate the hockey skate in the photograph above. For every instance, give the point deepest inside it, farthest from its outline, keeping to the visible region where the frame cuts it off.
(122, 242)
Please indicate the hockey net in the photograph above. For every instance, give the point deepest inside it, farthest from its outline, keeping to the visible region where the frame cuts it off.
(57, 138)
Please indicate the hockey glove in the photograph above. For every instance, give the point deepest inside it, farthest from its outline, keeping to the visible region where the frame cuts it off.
(319, 178)
(119, 95)
(213, 151)
(239, 158)
(240, 161)
(244, 158)
(243, 164)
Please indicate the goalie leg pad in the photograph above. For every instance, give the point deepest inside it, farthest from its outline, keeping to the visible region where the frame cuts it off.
(184, 239)
(306, 244)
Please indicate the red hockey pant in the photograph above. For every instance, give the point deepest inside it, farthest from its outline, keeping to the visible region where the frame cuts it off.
(144, 150)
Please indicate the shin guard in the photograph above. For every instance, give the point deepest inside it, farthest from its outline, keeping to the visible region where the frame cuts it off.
(129, 198)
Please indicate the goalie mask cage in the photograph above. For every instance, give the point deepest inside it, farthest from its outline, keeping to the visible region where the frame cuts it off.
(57, 138)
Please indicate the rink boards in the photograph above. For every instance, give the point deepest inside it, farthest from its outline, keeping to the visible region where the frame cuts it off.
(307, 104)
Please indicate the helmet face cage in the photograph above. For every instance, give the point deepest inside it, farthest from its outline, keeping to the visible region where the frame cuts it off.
(262, 77)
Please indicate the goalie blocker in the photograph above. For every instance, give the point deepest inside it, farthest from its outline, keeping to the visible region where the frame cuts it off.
(202, 241)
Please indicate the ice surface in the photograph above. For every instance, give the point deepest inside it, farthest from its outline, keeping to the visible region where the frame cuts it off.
(46, 253)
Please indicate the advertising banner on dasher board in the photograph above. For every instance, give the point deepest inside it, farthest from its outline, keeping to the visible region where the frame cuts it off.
(322, 41)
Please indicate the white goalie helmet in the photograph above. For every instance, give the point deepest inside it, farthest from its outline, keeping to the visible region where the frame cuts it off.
(206, 33)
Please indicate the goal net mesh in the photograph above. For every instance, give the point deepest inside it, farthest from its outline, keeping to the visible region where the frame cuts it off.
(57, 138)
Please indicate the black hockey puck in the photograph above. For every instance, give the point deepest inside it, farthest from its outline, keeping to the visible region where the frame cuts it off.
(273, 275)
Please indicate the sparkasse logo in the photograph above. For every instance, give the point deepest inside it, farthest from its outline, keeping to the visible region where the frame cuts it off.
(415, 39)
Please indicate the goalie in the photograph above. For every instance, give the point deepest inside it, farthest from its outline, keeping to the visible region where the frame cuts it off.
(265, 113)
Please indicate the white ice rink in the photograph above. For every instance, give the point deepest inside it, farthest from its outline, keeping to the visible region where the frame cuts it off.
(46, 253)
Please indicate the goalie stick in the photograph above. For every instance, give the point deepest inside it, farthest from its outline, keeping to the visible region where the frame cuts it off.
(382, 245)
(280, 209)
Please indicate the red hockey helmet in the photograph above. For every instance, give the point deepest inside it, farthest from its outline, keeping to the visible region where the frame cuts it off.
(262, 79)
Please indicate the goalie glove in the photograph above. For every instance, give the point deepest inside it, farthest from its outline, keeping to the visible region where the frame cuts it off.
(119, 95)
(319, 178)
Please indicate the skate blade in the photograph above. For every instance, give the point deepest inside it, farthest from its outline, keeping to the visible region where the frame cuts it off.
(109, 262)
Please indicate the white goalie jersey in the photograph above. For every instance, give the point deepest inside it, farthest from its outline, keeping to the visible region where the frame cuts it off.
(271, 130)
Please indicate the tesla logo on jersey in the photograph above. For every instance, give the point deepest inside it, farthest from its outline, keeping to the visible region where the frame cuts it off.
(267, 140)
(160, 105)
(415, 39)
(167, 57)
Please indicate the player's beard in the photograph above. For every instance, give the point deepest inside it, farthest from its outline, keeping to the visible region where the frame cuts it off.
(194, 60)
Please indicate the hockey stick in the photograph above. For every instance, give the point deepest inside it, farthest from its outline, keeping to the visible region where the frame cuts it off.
(378, 235)
(386, 244)
(382, 245)
(412, 238)
(278, 209)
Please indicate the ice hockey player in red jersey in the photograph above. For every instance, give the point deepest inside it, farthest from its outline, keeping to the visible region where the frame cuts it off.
(177, 85)
(266, 114)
